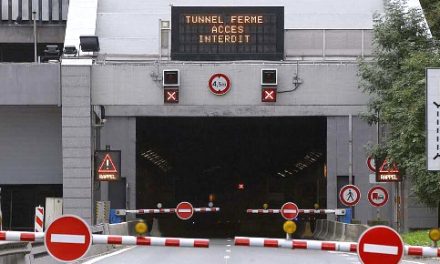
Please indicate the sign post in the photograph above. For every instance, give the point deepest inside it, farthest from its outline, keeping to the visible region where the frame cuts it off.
(68, 238)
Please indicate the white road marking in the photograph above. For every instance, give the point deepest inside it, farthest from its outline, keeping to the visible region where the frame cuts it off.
(228, 245)
(107, 255)
(71, 239)
(415, 262)
(381, 249)
(228, 251)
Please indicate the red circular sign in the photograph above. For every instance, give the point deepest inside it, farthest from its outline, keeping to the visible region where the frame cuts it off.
(378, 196)
(289, 211)
(219, 84)
(184, 210)
(68, 238)
(371, 164)
(380, 244)
(350, 195)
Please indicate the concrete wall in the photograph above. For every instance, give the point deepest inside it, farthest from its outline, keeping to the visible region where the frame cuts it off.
(13, 33)
(77, 141)
(327, 89)
(338, 165)
(29, 84)
(115, 19)
(120, 134)
(30, 144)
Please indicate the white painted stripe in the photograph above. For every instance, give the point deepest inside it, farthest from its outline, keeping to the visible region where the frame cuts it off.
(289, 211)
(99, 239)
(13, 236)
(128, 240)
(71, 239)
(184, 210)
(94, 260)
(158, 241)
(381, 249)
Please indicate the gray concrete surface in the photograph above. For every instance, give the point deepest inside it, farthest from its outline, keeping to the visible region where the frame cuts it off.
(219, 252)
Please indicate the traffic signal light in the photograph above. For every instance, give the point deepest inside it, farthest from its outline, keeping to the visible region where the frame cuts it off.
(170, 78)
(269, 77)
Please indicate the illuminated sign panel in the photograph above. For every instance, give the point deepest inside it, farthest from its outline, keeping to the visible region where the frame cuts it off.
(227, 33)
(108, 165)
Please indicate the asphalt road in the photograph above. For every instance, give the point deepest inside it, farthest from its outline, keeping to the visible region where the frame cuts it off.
(224, 252)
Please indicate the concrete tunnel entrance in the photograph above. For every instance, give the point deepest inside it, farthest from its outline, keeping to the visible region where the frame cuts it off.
(236, 163)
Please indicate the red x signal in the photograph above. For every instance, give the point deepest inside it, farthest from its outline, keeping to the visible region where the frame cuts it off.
(171, 96)
(269, 95)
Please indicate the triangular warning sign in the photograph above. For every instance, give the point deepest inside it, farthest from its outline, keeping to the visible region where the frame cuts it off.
(107, 165)
(388, 168)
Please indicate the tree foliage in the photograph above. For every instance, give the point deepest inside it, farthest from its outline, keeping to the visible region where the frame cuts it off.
(431, 9)
(395, 79)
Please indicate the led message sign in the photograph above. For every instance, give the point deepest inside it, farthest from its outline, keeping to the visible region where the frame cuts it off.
(227, 33)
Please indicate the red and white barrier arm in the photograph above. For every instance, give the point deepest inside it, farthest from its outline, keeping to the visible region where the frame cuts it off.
(207, 209)
(151, 211)
(325, 245)
(21, 236)
(296, 244)
(263, 211)
(165, 211)
(301, 211)
(150, 241)
(422, 251)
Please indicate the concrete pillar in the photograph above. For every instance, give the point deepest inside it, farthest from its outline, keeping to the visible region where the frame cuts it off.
(77, 140)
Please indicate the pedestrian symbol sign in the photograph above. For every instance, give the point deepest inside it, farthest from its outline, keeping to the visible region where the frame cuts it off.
(108, 165)
(350, 195)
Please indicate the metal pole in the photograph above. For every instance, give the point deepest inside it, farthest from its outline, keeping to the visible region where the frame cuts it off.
(1, 214)
(375, 161)
(350, 149)
(34, 16)
(10, 212)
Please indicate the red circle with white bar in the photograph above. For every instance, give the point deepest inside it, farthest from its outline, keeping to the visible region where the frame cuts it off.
(184, 210)
(371, 164)
(350, 195)
(219, 84)
(68, 238)
(380, 244)
(289, 211)
(378, 196)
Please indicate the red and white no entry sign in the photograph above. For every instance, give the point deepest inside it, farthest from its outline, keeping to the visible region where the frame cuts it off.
(349, 195)
(184, 210)
(219, 84)
(289, 211)
(380, 244)
(371, 164)
(378, 196)
(68, 238)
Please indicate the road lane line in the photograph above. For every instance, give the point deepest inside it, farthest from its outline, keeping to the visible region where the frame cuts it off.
(381, 249)
(94, 260)
(71, 239)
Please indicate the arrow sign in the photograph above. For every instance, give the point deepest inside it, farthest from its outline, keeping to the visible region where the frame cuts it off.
(289, 211)
(380, 244)
(184, 210)
(68, 238)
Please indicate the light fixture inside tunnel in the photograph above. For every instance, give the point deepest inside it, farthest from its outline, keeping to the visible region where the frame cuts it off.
(309, 159)
(156, 159)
